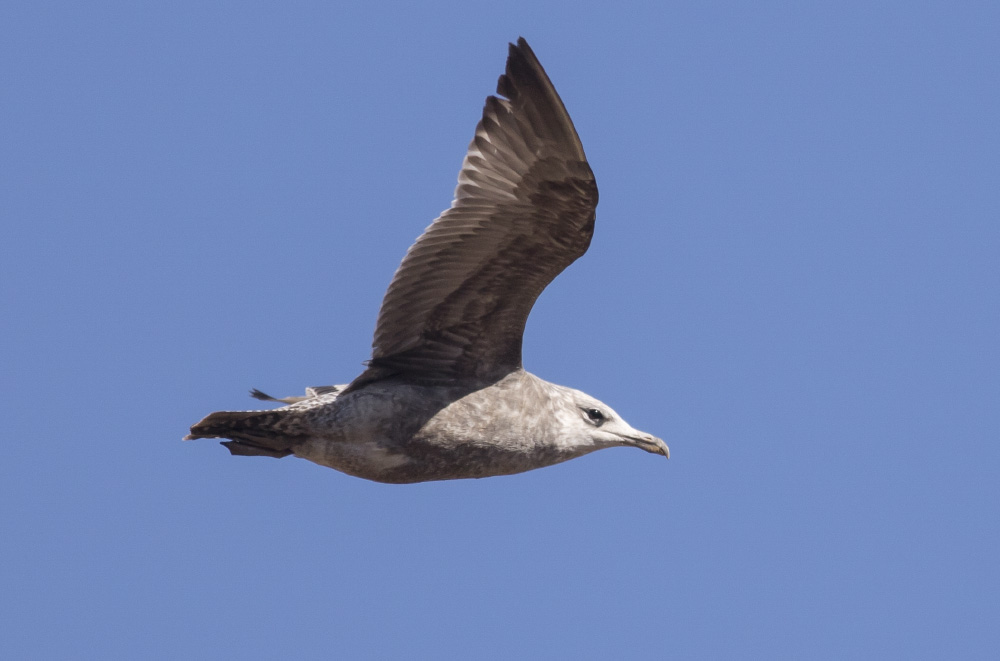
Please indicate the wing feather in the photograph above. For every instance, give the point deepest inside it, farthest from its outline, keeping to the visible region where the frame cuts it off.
(523, 211)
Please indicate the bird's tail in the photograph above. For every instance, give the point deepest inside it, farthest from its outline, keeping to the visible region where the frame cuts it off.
(253, 433)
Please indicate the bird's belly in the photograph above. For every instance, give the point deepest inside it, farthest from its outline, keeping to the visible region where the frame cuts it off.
(419, 461)
(369, 459)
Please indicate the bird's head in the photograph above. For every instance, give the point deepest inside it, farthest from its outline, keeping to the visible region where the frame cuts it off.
(595, 425)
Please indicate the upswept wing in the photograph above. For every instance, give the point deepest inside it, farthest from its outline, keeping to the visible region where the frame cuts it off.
(523, 211)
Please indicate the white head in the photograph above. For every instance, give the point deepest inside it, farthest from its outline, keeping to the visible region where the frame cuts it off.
(589, 424)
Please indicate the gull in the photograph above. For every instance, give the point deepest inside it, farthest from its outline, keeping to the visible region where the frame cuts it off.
(444, 395)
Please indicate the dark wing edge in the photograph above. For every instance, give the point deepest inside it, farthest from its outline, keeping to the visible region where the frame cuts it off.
(523, 211)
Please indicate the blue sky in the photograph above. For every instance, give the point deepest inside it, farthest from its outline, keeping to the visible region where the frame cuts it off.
(794, 281)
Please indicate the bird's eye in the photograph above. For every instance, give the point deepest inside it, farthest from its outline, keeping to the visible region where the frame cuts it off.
(595, 416)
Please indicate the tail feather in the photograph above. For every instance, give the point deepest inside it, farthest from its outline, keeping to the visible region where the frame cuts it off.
(253, 433)
(243, 449)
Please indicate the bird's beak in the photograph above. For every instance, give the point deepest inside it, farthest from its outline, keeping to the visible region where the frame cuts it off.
(649, 443)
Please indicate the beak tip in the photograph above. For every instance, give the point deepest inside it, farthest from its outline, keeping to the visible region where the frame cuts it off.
(650, 443)
(661, 446)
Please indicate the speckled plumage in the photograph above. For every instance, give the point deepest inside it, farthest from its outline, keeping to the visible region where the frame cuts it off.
(444, 395)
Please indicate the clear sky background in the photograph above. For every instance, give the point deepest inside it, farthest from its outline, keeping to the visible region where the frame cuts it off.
(794, 281)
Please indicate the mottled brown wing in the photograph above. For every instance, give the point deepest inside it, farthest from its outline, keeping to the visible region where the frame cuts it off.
(523, 212)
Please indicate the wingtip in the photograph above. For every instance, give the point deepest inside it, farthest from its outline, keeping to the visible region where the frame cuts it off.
(264, 397)
(521, 51)
(525, 83)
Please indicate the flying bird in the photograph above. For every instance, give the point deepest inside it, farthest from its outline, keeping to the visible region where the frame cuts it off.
(444, 395)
